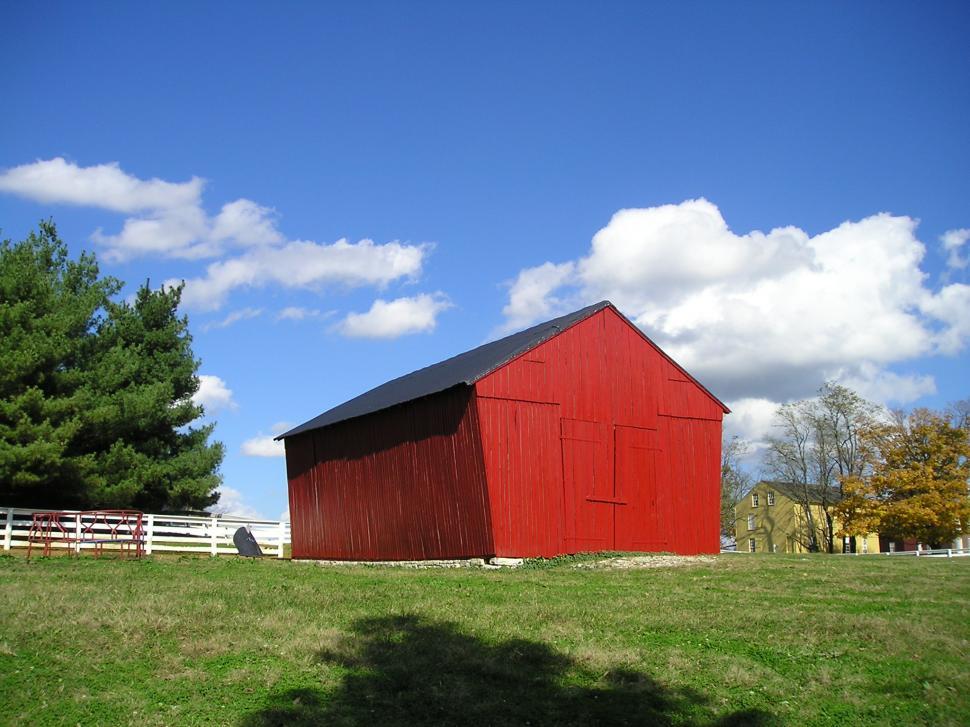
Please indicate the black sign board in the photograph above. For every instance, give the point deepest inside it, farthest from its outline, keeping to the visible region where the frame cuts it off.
(246, 544)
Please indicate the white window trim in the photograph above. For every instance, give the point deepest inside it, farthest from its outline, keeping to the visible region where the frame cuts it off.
(754, 499)
(770, 498)
(752, 545)
(751, 523)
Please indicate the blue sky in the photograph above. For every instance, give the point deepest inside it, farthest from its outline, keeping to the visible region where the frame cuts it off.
(776, 192)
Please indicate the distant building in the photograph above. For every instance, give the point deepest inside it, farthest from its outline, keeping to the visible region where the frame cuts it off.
(772, 518)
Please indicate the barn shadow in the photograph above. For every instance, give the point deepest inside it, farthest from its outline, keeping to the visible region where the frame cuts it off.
(408, 670)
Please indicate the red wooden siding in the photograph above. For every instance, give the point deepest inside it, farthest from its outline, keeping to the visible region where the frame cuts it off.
(638, 444)
(406, 483)
(525, 475)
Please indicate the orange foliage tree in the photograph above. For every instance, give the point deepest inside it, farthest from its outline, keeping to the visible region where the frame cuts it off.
(919, 483)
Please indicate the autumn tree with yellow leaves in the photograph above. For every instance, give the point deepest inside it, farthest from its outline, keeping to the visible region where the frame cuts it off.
(918, 487)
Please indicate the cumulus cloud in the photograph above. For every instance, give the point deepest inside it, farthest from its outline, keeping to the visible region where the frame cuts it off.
(761, 315)
(530, 295)
(213, 394)
(953, 242)
(750, 419)
(58, 181)
(263, 445)
(168, 220)
(304, 264)
(887, 387)
(232, 502)
(243, 314)
(399, 317)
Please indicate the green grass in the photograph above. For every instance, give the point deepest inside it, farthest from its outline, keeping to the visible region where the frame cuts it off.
(746, 640)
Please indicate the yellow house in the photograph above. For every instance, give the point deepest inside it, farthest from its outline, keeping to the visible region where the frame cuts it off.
(771, 518)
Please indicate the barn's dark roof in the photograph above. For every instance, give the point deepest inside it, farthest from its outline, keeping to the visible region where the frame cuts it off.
(465, 368)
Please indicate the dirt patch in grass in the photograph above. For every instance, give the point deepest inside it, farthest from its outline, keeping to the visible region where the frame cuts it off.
(632, 562)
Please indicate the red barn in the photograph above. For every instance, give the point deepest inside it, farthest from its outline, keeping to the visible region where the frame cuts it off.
(578, 434)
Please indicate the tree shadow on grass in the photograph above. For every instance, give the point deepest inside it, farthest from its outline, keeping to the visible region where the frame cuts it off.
(408, 670)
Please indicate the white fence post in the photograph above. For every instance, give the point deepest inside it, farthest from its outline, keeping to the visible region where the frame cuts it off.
(279, 548)
(77, 532)
(214, 543)
(149, 532)
(8, 530)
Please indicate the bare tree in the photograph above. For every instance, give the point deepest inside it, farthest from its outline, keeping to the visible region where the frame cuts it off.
(735, 481)
(818, 443)
(959, 414)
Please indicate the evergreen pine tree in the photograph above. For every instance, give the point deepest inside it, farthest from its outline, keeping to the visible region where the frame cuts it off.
(95, 395)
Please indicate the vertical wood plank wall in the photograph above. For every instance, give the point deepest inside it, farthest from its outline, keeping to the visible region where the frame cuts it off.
(406, 483)
(596, 437)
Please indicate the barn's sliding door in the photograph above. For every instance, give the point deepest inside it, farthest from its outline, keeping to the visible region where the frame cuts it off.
(523, 464)
(642, 521)
(589, 497)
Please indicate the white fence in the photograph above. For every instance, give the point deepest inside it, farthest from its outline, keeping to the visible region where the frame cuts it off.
(938, 553)
(168, 533)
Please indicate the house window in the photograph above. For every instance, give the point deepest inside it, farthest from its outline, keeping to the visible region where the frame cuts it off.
(751, 545)
(892, 546)
(750, 522)
(846, 545)
(754, 500)
(771, 498)
(865, 545)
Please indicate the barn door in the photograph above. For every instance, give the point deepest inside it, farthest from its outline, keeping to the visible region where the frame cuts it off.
(588, 486)
(642, 523)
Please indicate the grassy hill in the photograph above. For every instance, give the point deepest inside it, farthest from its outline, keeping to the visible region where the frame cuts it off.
(739, 640)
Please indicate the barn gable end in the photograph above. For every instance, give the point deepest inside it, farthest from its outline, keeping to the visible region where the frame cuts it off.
(596, 440)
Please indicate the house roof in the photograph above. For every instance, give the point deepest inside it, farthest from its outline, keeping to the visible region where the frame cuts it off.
(465, 368)
(797, 491)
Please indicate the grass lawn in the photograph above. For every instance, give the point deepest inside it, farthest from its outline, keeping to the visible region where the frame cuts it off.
(743, 640)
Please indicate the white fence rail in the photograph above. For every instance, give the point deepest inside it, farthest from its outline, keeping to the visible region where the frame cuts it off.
(938, 553)
(167, 533)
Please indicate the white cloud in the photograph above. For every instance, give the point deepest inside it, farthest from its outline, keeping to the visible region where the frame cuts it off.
(213, 394)
(953, 241)
(246, 223)
(265, 446)
(530, 296)
(296, 313)
(58, 181)
(762, 315)
(390, 319)
(304, 264)
(169, 218)
(887, 387)
(750, 419)
(242, 314)
(951, 307)
(232, 502)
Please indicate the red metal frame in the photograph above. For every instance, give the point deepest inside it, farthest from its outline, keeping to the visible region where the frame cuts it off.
(96, 528)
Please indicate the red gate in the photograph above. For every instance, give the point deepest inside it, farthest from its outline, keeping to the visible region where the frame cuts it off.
(92, 528)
